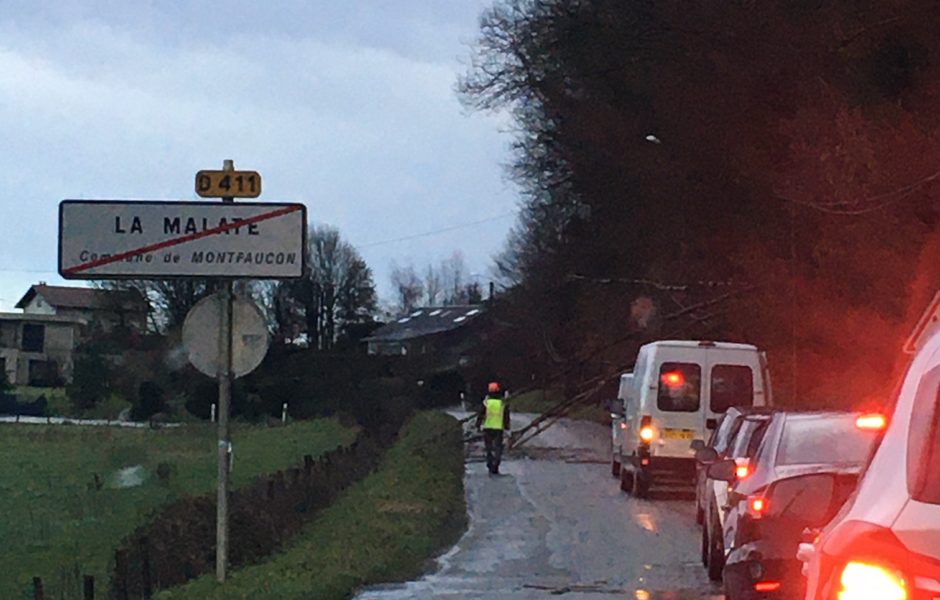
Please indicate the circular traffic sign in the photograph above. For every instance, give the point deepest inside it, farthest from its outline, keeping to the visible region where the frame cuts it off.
(202, 328)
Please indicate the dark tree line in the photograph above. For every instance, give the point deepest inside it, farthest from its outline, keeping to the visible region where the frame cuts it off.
(754, 171)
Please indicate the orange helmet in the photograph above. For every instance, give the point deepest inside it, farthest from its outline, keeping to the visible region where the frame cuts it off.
(493, 388)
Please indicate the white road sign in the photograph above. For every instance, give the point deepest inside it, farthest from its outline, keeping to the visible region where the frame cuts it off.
(249, 335)
(128, 239)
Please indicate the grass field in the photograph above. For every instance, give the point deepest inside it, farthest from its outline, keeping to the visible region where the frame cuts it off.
(384, 528)
(58, 524)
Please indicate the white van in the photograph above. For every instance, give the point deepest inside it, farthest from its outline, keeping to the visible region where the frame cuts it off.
(677, 392)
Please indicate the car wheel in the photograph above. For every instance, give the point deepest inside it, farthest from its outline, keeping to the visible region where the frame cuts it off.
(614, 467)
(716, 550)
(641, 485)
(626, 480)
(704, 546)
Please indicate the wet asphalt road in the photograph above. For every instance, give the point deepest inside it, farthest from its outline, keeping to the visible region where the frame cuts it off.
(554, 523)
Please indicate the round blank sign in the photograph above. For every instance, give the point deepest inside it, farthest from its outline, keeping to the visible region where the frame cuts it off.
(249, 335)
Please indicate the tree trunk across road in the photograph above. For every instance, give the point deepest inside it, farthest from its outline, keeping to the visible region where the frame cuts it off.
(555, 524)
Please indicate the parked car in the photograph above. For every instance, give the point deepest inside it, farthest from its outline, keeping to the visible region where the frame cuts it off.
(885, 542)
(742, 449)
(805, 468)
(679, 391)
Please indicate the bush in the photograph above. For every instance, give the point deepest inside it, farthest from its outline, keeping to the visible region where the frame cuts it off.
(150, 401)
(91, 380)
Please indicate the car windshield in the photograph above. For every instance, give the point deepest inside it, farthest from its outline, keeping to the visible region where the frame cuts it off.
(824, 440)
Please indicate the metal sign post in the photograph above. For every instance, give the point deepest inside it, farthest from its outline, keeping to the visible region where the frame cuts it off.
(130, 239)
(225, 397)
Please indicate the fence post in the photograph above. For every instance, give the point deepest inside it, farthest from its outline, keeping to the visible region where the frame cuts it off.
(89, 587)
(145, 567)
(37, 589)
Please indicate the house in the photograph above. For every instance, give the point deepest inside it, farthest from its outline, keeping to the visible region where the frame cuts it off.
(103, 310)
(439, 330)
(38, 349)
(37, 346)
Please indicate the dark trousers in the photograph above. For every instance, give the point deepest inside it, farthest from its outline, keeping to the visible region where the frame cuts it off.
(493, 439)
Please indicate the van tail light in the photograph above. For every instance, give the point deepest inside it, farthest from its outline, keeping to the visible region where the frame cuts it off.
(871, 422)
(866, 581)
(647, 431)
(623, 425)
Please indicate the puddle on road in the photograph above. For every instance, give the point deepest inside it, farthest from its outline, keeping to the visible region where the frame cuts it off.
(603, 587)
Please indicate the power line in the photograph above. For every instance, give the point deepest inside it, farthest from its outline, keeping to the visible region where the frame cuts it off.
(437, 231)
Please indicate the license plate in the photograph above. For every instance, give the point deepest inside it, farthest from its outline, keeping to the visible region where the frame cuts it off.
(678, 434)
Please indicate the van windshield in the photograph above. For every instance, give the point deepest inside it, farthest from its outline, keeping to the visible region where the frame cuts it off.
(732, 385)
(679, 387)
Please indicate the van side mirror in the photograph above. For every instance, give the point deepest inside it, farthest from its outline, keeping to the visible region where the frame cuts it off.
(706, 456)
(697, 445)
(724, 470)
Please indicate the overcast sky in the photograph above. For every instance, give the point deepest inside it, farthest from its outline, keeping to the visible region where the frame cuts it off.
(347, 106)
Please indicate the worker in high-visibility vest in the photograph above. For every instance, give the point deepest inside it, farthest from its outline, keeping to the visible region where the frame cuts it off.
(493, 419)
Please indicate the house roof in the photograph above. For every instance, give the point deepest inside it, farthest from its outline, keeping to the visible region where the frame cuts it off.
(86, 298)
(425, 321)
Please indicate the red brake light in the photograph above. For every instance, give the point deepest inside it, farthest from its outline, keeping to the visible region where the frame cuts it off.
(872, 422)
(673, 378)
(864, 581)
(742, 471)
(766, 586)
(623, 425)
(647, 434)
(757, 506)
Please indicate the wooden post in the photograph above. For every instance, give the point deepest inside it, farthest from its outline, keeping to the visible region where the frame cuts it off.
(89, 589)
(37, 589)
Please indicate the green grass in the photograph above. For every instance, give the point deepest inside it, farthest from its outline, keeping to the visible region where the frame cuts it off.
(384, 528)
(57, 525)
(539, 401)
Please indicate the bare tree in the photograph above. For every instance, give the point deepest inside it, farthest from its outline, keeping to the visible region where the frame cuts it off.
(336, 292)
(408, 287)
(433, 286)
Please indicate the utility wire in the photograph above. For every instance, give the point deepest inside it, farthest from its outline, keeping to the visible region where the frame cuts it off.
(437, 231)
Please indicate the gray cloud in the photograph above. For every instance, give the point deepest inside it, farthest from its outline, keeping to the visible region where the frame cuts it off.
(348, 107)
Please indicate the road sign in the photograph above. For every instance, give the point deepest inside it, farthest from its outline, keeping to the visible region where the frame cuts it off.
(929, 323)
(128, 239)
(228, 184)
(201, 331)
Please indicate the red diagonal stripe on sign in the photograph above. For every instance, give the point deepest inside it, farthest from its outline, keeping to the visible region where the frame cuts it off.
(182, 240)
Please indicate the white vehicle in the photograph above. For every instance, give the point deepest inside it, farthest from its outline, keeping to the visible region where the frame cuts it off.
(885, 542)
(677, 392)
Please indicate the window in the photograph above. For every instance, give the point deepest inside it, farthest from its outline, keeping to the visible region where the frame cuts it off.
(748, 438)
(825, 440)
(34, 337)
(732, 385)
(722, 434)
(924, 442)
(679, 387)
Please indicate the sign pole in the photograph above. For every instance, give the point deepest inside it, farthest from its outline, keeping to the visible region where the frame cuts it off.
(225, 396)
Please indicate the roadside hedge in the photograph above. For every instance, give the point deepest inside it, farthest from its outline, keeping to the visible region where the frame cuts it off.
(384, 528)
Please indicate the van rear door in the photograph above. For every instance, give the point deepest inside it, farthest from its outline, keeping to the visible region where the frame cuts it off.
(678, 405)
(734, 379)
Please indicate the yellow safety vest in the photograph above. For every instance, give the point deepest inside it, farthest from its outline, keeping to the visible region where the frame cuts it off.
(494, 413)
